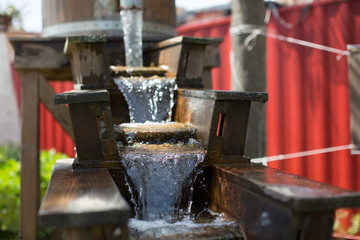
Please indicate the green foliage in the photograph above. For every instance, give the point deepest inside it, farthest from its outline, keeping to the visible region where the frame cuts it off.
(10, 151)
(10, 11)
(10, 185)
(14, 13)
(10, 193)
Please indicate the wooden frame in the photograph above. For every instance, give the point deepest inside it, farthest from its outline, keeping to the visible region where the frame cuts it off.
(354, 66)
(37, 61)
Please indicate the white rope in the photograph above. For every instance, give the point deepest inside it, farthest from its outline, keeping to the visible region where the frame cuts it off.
(308, 44)
(281, 157)
(256, 30)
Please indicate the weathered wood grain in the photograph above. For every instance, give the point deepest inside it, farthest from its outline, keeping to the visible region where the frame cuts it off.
(184, 57)
(354, 76)
(298, 193)
(272, 204)
(30, 180)
(59, 112)
(82, 197)
(46, 55)
(92, 124)
(220, 119)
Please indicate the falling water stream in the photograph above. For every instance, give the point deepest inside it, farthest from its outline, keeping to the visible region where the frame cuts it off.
(149, 99)
(160, 173)
(157, 173)
(132, 21)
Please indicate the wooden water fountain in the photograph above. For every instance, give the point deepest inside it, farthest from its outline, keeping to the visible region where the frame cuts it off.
(87, 196)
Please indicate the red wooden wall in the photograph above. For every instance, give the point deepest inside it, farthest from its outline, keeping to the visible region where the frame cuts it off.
(309, 92)
(51, 133)
(308, 106)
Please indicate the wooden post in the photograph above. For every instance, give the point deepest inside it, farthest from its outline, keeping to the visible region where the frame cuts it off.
(59, 112)
(354, 66)
(30, 181)
(249, 67)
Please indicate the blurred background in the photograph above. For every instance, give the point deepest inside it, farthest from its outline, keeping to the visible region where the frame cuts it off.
(299, 54)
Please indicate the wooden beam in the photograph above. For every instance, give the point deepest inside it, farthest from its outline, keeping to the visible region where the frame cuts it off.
(30, 180)
(354, 89)
(272, 204)
(60, 112)
(82, 197)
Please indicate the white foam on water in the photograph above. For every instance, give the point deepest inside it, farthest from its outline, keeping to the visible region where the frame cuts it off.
(158, 228)
(149, 99)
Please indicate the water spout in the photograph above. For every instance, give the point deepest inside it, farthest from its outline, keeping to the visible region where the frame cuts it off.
(132, 20)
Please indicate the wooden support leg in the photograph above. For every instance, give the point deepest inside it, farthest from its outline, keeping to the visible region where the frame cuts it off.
(59, 112)
(30, 181)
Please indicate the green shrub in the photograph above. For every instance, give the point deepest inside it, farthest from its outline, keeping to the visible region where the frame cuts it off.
(10, 185)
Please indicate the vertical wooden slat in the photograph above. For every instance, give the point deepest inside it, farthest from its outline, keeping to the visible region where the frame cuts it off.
(354, 79)
(30, 181)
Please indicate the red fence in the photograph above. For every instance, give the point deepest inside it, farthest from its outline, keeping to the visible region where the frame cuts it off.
(51, 133)
(308, 106)
(309, 92)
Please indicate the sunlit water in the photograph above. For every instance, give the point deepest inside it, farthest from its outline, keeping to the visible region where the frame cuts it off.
(141, 229)
(149, 99)
(158, 175)
(132, 21)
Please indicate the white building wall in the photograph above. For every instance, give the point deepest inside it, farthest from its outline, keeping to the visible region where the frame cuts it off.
(9, 114)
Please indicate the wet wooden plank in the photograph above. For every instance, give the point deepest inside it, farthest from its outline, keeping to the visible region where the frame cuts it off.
(82, 96)
(154, 133)
(271, 204)
(295, 192)
(184, 57)
(43, 55)
(46, 55)
(30, 179)
(82, 197)
(224, 95)
(220, 119)
(259, 217)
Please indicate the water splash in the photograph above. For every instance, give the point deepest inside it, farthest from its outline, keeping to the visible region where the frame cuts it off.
(158, 174)
(132, 21)
(140, 229)
(149, 99)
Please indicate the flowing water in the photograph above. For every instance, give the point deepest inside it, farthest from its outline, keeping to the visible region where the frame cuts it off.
(149, 99)
(187, 228)
(158, 174)
(132, 21)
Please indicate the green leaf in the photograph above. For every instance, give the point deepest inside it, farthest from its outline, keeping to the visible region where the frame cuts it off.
(10, 185)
